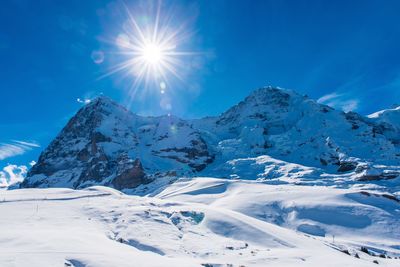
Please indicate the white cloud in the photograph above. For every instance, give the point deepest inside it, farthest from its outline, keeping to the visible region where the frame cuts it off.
(339, 101)
(83, 101)
(32, 163)
(15, 147)
(327, 97)
(10, 150)
(12, 174)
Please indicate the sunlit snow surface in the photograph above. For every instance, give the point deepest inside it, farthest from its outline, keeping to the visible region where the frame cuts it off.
(200, 221)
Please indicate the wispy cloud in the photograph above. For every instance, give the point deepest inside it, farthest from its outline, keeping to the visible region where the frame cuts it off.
(328, 97)
(29, 144)
(339, 101)
(15, 148)
(12, 174)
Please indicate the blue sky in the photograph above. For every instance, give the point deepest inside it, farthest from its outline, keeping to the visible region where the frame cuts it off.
(344, 53)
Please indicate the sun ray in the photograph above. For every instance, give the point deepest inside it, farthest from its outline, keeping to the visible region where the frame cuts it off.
(149, 50)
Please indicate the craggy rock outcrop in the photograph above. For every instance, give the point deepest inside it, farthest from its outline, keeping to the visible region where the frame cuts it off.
(105, 144)
(131, 177)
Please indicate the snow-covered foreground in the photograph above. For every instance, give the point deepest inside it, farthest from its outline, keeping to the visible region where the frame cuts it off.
(200, 222)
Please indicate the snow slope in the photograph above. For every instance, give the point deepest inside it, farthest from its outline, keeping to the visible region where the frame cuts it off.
(300, 184)
(200, 222)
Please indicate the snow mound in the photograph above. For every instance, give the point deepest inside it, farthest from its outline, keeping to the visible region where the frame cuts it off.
(200, 222)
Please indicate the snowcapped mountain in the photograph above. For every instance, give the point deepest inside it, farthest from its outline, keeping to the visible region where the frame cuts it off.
(105, 144)
(312, 186)
(388, 121)
(290, 127)
(108, 145)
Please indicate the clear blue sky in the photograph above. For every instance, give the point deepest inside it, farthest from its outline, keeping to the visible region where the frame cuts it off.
(348, 50)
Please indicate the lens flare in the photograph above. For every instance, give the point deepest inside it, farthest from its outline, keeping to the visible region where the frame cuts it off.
(149, 48)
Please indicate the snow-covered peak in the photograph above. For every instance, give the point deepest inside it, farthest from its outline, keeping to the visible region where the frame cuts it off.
(291, 127)
(102, 99)
(106, 105)
(278, 107)
(104, 143)
(388, 122)
(272, 110)
(266, 92)
(385, 113)
(266, 96)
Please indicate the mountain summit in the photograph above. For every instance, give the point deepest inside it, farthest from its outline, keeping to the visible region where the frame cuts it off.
(105, 144)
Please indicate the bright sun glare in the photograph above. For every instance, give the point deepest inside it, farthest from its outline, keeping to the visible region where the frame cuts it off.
(150, 51)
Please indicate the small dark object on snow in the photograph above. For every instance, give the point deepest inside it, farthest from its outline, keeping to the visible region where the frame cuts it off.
(121, 240)
(365, 250)
(345, 251)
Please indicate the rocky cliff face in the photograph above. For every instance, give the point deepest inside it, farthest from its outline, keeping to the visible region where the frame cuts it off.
(106, 144)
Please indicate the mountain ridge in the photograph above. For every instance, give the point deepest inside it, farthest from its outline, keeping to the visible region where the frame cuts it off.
(106, 144)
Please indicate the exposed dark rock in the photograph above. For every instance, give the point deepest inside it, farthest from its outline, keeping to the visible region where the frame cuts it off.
(346, 166)
(377, 177)
(323, 161)
(326, 109)
(391, 197)
(131, 177)
(93, 149)
(95, 170)
(365, 193)
(365, 250)
(345, 251)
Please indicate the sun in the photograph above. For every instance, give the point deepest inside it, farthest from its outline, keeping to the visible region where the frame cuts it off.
(152, 53)
(148, 50)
